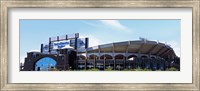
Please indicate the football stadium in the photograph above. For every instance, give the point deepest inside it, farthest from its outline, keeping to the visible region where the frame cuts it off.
(69, 52)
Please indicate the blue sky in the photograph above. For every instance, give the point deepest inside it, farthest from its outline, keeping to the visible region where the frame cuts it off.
(35, 32)
(45, 63)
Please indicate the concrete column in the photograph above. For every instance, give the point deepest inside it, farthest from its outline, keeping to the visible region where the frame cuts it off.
(41, 49)
(64, 63)
(49, 45)
(124, 63)
(85, 63)
(99, 52)
(139, 61)
(114, 63)
(76, 40)
(86, 58)
(104, 64)
(94, 63)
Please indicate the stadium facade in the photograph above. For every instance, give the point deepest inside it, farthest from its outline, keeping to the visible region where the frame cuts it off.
(72, 53)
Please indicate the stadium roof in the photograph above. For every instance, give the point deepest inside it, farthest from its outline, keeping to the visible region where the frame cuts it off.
(138, 46)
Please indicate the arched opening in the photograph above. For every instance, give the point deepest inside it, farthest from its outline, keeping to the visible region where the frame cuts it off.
(132, 57)
(120, 56)
(161, 64)
(153, 57)
(106, 56)
(93, 56)
(143, 56)
(81, 57)
(45, 64)
(145, 62)
(155, 63)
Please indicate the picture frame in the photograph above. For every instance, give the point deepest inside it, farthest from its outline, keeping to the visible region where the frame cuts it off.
(6, 5)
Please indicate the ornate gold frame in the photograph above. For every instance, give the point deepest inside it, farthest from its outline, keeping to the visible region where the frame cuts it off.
(6, 4)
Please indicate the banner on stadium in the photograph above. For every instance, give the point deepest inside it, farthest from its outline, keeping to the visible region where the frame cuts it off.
(61, 44)
(45, 48)
(81, 43)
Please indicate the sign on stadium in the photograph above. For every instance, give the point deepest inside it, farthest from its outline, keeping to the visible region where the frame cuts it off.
(61, 44)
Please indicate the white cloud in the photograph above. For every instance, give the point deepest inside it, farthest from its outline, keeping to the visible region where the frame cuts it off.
(34, 51)
(94, 41)
(114, 24)
(22, 58)
(93, 24)
(175, 47)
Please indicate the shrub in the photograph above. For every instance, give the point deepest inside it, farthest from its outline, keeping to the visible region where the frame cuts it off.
(108, 69)
(138, 69)
(53, 69)
(129, 70)
(93, 69)
(171, 69)
(147, 70)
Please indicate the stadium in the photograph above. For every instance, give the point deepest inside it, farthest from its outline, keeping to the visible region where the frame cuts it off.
(72, 53)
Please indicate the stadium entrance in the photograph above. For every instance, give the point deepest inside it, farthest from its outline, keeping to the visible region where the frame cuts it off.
(45, 64)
